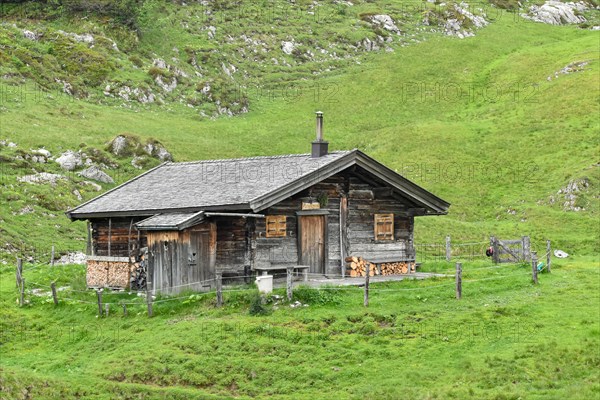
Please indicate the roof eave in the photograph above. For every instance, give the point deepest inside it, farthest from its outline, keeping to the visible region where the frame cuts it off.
(150, 213)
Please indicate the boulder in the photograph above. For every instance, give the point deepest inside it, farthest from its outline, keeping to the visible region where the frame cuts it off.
(386, 22)
(69, 160)
(30, 35)
(288, 47)
(42, 152)
(96, 174)
(557, 13)
(123, 146)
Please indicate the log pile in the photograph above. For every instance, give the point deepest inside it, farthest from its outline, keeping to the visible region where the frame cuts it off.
(394, 268)
(111, 274)
(358, 267)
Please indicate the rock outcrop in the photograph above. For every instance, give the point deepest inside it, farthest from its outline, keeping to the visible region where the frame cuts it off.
(557, 13)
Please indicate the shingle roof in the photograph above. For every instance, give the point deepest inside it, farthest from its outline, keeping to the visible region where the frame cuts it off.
(198, 185)
(252, 183)
(170, 221)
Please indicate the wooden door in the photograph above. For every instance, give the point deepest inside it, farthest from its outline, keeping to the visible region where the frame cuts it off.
(202, 256)
(312, 242)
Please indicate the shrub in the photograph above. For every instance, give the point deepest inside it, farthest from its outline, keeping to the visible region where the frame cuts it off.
(137, 61)
(257, 305)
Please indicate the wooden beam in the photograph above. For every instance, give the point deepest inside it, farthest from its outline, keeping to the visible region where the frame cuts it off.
(109, 234)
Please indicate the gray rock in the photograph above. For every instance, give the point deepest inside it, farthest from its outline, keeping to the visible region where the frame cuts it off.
(167, 87)
(95, 186)
(69, 160)
(158, 150)
(42, 178)
(288, 47)
(137, 162)
(72, 258)
(159, 63)
(42, 152)
(164, 155)
(96, 174)
(120, 146)
(557, 13)
(386, 22)
(30, 35)
(211, 32)
(77, 194)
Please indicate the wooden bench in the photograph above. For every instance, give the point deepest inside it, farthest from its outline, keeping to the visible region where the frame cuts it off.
(266, 267)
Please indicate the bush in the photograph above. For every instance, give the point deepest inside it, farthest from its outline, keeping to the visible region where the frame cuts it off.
(257, 305)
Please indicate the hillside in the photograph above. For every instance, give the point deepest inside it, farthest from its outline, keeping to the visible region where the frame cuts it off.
(501, 128)
(489, 105)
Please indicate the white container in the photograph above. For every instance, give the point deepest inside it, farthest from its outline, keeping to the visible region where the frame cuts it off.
(264, 283)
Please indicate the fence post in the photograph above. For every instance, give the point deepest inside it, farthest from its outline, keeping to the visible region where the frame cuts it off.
(534, 270)
(54, 297)
(526, 240)
(290, 272)
(219, 279)
(458, 281)
(448, 248)
(149, 297)
(494, 246)
(548, 255)
(22, 294)
(19, 271)
(99, 296)
(52, 257)
(368, 267)
(124, 310)
(106, 309)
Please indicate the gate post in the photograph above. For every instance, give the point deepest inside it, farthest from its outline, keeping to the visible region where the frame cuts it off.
(494, 245)
(534, 271)
(548, 255)
(526, 242)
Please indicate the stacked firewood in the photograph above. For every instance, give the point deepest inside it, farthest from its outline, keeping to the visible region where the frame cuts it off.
(394, 268)
(358, 267)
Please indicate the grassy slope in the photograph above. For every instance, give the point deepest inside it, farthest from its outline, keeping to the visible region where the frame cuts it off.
(322, 351)
(505, 340)
(511, 152)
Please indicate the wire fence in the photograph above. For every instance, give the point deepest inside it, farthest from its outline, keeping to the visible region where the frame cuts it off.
(470, 251)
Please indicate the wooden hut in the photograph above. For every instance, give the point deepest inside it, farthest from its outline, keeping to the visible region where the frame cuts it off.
(238, 216)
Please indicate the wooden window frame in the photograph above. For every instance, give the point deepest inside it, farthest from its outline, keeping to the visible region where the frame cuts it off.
(380, 220)
(278, 225)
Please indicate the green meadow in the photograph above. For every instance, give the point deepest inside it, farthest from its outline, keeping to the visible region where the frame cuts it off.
(483, 122)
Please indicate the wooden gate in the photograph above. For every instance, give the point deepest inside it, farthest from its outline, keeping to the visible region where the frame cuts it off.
(511, 251)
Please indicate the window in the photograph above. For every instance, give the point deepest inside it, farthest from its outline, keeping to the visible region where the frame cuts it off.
(384, 226)
(276, 225)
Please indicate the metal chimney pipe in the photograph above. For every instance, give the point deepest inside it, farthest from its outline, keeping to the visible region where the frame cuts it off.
(319, 146)
(319, 126)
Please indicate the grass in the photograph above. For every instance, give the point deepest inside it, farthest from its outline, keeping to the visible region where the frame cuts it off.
(476, 121)
(499, 159)
(506, 339)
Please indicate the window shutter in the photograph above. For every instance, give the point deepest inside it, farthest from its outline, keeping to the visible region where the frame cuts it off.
(384, 226)
(276, 225)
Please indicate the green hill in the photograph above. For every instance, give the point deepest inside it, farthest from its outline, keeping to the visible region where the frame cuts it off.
(503, 124)
(487, 122)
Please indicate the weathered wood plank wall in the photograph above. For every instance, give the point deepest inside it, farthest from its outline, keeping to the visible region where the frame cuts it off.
(121, 238)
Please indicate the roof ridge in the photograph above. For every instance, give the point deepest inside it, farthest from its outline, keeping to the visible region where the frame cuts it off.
(249, 158)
